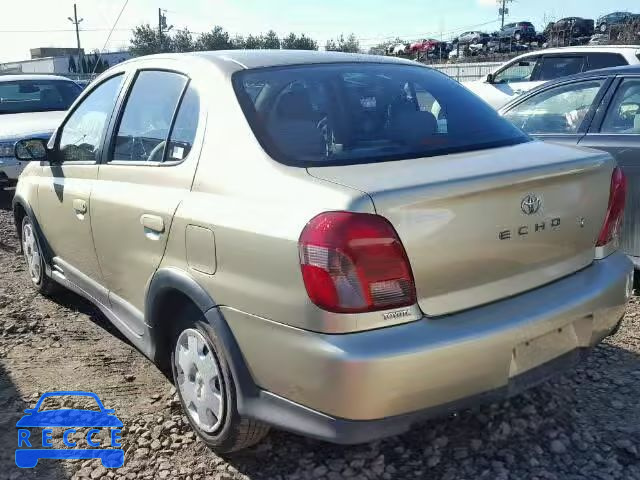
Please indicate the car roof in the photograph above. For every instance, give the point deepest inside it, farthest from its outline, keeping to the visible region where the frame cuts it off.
(233, 60)
(585, 48)
(17, 77)
(624, 70)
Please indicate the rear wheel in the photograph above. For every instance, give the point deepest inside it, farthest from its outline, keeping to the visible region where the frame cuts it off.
(34, 258)
(206, 387)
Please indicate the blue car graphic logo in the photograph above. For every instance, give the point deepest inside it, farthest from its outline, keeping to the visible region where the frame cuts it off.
(70, 419)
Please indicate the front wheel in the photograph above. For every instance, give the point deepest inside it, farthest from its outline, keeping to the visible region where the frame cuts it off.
(207, 390)
(34, 258)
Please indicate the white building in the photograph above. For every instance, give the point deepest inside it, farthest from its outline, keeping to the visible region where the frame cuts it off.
(59, 64)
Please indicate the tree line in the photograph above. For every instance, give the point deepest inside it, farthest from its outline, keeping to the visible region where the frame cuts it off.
(147, 40)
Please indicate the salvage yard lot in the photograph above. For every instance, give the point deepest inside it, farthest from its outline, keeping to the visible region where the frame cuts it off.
(585, 424)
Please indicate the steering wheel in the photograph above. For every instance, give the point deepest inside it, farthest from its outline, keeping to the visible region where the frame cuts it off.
(156, 155)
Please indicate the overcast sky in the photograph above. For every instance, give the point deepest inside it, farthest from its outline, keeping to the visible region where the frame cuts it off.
(27, 24)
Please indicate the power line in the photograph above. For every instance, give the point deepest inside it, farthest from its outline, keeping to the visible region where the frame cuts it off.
(61, 30)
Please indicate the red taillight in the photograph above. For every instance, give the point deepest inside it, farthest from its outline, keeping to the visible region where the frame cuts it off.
(355, 262)
(615, 210)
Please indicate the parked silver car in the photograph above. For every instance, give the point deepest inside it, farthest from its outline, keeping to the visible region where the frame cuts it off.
(337, 245)
(598, 109)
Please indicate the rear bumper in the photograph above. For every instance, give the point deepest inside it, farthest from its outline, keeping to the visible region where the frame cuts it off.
(356, 387)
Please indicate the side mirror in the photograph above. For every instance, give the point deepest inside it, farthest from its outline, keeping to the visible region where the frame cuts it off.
(34, 149)
(490, 78)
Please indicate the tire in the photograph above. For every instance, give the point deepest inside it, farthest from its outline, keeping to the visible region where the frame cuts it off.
(32, 252)
(603, 28)
(227, 431)
(517, 36)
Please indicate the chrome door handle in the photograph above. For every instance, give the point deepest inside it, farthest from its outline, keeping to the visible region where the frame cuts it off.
(152, 222)
(80, 206)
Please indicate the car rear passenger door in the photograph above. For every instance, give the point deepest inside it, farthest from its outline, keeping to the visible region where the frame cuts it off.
(616, 129)
(146, 172)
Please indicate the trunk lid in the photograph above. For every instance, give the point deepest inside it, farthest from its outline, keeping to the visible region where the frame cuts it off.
(489, 224)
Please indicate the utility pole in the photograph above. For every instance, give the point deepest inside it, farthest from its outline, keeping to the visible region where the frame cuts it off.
(76, 22)
(162, 26)
(503, 10)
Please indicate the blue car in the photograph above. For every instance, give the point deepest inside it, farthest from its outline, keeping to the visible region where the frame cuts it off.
(69, 418)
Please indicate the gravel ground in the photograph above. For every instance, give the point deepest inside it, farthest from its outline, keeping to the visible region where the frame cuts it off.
(583, 425)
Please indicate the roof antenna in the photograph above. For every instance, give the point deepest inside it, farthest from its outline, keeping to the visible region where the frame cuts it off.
(109, 36)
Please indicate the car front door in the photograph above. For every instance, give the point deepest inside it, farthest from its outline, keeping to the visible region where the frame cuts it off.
(616, 129)
(561, 113)
(64, 191)
(512, 80)
(147, 170)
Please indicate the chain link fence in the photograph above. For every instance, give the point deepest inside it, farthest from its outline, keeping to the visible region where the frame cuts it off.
(467, 72)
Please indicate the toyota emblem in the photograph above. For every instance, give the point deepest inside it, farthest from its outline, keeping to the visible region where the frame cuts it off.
(530, 204)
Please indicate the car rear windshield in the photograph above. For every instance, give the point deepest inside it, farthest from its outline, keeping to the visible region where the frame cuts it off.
(339, 114)
(21, 96)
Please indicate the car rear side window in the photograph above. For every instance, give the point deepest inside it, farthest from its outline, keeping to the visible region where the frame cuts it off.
(623, 115)
(605, 60)
(144, 125)
(337, 114)
(184, 129)
(556, 67)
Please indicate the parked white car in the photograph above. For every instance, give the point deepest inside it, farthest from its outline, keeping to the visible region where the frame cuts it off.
(532, 69)
(31, 106)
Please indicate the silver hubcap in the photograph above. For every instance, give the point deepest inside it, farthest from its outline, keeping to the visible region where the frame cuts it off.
(31, 252)
(199, 380)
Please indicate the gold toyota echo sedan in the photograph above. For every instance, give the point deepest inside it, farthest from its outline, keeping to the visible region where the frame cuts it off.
(336, 245)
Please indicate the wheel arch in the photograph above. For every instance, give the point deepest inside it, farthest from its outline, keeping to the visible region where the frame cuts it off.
(172, 289)
(21, 209)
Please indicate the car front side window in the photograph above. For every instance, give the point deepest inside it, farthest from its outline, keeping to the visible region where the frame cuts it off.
(143, 130)
(559, 110)
(81, 136)
(519, 71)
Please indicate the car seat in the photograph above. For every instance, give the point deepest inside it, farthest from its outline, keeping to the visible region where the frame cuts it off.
(294, 127)
(410, 126)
